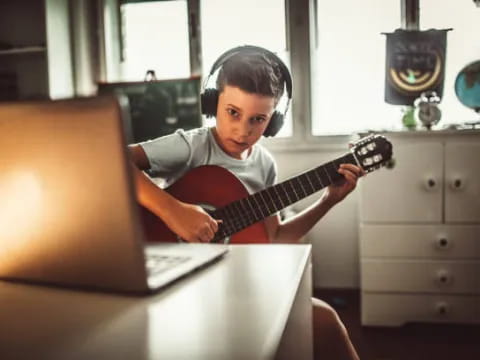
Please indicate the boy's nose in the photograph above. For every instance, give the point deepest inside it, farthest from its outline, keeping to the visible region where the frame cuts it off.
(244, 128)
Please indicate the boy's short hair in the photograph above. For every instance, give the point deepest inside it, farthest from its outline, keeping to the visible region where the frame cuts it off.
(254, 73)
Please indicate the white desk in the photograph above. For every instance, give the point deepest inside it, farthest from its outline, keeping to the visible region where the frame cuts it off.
(253, 304)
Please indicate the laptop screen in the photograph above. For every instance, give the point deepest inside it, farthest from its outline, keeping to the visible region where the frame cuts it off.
(67, 209)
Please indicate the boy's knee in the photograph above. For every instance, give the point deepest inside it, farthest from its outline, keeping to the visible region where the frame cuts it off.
(325, 316)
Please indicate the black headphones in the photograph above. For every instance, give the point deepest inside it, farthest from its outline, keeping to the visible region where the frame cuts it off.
(209, 97)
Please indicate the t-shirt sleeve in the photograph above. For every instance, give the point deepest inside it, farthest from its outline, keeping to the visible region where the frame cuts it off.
(168, 154)
(272, 174)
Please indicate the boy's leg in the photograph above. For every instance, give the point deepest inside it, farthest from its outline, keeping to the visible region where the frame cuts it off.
(330, 337)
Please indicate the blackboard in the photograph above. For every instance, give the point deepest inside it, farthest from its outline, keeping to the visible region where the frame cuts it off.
(159, 107)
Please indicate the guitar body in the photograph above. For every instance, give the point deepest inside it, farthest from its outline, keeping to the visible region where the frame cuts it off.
(222, 195)
(208, 186)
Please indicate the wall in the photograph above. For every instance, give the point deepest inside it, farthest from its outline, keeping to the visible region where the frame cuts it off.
(335, 238)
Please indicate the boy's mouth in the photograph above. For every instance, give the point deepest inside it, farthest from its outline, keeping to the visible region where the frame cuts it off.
(239, 143)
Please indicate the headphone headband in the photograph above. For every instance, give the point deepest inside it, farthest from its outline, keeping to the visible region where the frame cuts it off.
(209, 97)
(256, 49)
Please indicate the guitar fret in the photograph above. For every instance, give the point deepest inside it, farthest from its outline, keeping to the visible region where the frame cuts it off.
(326, 172)
(293, 188)
(229, 221)
(317, 175)
(335, 174)
(335, 166)
(245, 213)
(270, 199)
(266, 205)
(276, 202)
(236, 219)
(219, 214)
(350, 159)
(239, 206)
(301, 186)
(226, 227)
(234, 211)
(256, 214)
(310, 182)
(307, 184)
(279, 197)
(257, 207)
(231, 213)
(286, 194)
(321, 181)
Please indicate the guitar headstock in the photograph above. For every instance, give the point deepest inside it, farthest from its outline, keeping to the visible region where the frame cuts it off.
(372, 152)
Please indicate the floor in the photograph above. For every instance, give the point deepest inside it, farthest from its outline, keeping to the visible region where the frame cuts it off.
(409, 342)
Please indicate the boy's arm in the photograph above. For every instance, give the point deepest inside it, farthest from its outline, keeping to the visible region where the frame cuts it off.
(188, 221)
(293, 229)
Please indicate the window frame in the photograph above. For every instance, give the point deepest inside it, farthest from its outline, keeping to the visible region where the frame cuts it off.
(300, 40)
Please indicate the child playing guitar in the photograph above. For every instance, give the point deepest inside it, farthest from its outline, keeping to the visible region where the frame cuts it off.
(249, 85)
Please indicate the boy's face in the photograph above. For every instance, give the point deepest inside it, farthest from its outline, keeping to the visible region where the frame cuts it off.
(242, 118)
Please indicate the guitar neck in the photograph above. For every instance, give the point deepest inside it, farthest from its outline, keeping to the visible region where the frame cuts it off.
(242, 213)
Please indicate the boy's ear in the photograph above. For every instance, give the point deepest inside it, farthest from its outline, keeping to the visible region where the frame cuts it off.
(209, 102)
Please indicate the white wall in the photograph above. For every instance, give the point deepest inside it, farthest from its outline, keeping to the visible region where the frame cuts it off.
(335, 237)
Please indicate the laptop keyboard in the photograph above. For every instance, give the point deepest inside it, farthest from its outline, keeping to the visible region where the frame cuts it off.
(157, 264)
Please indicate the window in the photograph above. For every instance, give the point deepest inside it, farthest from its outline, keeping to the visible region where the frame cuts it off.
(155, 36)
(462, 48)
(349, 62)
(230, 23)
(348, 67)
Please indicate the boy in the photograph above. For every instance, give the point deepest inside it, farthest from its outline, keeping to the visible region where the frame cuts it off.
(250, 83)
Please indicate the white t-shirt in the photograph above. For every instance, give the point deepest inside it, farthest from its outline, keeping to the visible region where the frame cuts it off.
(173, 155)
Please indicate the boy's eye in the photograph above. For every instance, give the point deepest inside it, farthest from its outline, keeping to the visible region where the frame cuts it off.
(258, 119)
(232, 112)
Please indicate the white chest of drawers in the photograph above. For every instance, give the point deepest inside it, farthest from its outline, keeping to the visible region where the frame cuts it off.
(420, 232)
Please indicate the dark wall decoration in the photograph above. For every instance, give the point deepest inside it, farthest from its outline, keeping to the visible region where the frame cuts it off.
(415, 62)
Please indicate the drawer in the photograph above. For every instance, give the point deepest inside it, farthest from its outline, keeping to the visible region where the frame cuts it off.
(456, 277)
(420, 241)
(380, 309)
(411, 192)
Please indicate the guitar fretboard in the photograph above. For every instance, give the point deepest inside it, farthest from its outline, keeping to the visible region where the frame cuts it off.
(242, 213)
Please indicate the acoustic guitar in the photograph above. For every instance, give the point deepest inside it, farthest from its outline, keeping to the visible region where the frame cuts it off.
(223, 196)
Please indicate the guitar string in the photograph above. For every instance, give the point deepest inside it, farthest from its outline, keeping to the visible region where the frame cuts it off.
(237, 223)
(250, 217)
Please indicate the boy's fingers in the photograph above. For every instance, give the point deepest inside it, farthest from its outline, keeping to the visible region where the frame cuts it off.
(357, 171)
(214, 226)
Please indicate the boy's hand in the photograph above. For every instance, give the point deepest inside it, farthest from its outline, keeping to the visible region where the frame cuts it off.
(192, 223)
(338, 191)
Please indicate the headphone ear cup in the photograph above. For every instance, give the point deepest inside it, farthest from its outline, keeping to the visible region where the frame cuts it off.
(209, 102)
(276, 123)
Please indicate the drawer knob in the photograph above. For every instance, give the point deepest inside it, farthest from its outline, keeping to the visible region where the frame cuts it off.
(430, 184)
(443, 243)
(442, 308)
(444, 277)
(457, 184)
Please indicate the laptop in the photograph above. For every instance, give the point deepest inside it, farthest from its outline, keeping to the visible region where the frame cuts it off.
(68, 214)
